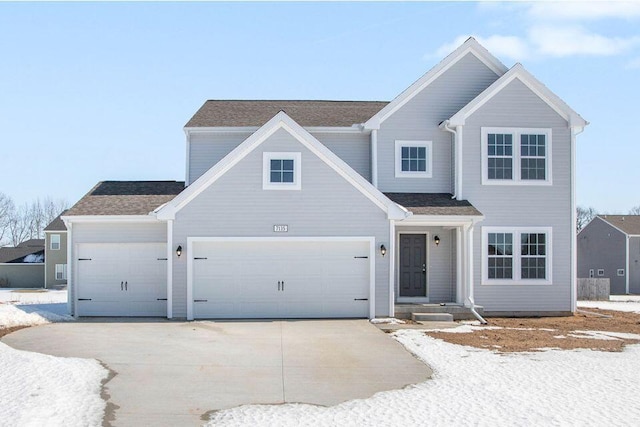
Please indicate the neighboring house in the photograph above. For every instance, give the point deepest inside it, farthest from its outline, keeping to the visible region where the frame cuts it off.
(460, 191)
(609, 247)
(55, 271)
(22, 266)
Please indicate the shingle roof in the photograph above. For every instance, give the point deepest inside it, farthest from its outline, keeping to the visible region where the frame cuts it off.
(32, 246)
(57, 224)
(234, 113)
(433, 204)
(630, 224)
(126, 197)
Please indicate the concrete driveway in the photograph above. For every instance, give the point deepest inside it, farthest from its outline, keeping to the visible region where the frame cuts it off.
(174, 373)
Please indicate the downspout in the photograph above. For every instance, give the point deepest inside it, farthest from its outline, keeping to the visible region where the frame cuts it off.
(574, 233)
(626, 268)
(374, 157)
(470, 299)
(457, 191)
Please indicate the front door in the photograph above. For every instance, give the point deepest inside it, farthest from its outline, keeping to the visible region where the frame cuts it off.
(413, 265)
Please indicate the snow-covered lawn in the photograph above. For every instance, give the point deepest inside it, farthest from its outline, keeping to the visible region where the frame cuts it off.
(630, 303)
(473, 386)
(42, 390)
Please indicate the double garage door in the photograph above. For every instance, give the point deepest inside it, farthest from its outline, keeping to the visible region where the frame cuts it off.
(280, 279)
(124, 279)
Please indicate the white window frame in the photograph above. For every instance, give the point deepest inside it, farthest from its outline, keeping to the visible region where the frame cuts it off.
(517, 257)
(601, 272)
(62, 270)
(54, 238)
(266, 170)
(428, 173)
(620, 272)
(517, 168)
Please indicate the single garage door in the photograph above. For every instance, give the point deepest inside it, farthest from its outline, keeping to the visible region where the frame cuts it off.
(280, 279)
(124, 279)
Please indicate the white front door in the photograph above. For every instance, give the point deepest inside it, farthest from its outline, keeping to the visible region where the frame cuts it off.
(123, 279)
(280, 279)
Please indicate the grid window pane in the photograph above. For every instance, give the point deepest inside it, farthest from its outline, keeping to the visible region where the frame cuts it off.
(414, 159)
(533, 250)
(500, 250)
(500, 156)
(282, 171)
(533, 163)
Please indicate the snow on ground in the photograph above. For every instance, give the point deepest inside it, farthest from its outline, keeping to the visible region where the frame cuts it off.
(630, 303)
(37, 389)
(32, 308)
(41, 390)
(473, 386)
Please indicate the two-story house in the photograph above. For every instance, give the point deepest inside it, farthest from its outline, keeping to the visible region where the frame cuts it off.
(460, 191)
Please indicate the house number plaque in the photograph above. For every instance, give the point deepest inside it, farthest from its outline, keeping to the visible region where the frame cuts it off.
(283, 228)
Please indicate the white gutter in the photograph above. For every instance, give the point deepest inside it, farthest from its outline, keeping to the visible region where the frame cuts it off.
(457, 150)
(626, 268)
(374, 157)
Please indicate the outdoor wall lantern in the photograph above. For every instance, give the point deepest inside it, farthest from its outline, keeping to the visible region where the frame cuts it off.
(436, 240)
(179, 251)
(383, 250)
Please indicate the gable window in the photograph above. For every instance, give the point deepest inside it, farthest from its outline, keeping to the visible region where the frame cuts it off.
(55, 242)
(413, 159)
(61, 271)
(516, 156)
(516, 255)
(281, 171)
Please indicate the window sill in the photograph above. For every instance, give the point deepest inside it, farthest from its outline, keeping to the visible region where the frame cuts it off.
(513, 182)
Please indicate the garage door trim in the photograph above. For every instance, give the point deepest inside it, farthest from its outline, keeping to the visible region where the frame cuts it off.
(367, 239)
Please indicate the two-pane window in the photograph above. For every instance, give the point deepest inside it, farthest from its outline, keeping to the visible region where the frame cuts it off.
(61, 271)
(516, 255)
(55, 242)
(516, 156)
(413, 159)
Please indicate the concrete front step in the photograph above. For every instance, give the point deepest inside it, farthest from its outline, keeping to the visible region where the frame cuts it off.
(459, 312)
(432, 317)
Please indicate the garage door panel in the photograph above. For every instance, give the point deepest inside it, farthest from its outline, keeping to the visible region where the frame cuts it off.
(318, 279)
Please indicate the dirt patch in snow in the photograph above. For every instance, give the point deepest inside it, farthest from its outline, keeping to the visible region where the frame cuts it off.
(568, 333)
(7, 331)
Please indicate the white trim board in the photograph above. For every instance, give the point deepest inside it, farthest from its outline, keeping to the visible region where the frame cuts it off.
(368, 239)
(281, 121)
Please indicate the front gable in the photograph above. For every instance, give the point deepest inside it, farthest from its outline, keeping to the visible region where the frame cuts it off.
(282, 135)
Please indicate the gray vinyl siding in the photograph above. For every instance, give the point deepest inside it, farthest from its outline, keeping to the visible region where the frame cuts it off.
(237, 206)
(441, 260)
(208, 148)
(22, 275)
(602, 246)
(352, 148)
(521, 205)
(51, 258)
(634, 265)
(419, 118)
(112, 232)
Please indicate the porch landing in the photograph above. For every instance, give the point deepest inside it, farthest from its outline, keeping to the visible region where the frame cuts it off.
(458, 311)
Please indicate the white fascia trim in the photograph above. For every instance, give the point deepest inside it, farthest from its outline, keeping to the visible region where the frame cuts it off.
(54, 231)
(519, 72)
(469, 46)
(356, 128)
(110, 218)
(440, 220)
(280, 121)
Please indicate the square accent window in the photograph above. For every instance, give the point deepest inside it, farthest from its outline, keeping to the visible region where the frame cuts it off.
(55, 242)
(516, 156)
(601, 272)
(621, 272)
(281, 171)
(516, 255)
(413, 159)
(61, 271)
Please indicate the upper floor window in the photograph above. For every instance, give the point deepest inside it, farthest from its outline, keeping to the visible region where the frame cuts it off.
(55, 242)
(413, 159)
(516, 156)
(516, 255)
(281, 171)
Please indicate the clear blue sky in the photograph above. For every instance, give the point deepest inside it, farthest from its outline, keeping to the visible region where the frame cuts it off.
(95, 91)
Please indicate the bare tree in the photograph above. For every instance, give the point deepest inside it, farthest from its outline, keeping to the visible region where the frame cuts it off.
(584, 216)
(20, 227)
(6, 210)
(635, 210)
(29, 220)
